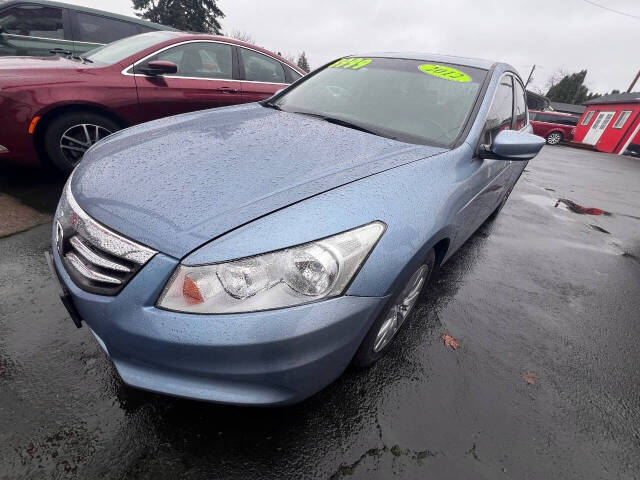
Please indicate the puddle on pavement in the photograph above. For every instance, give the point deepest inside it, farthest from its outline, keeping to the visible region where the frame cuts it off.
(579, 209)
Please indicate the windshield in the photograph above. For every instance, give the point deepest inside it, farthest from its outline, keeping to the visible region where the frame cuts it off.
(408, 100)
(121, 49)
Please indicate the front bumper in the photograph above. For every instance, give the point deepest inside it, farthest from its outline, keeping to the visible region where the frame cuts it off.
(273, 357)
(17, 146)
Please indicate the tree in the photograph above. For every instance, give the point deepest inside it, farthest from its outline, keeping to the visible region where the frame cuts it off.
(570, 89)
(188, 15)
(243, 36)
(303, 63)
(288, 56)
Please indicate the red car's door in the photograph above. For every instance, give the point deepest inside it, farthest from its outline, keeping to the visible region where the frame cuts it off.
(205, 79)
(263, 76)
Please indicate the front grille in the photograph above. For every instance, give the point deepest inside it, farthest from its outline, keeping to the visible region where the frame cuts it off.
(96, 258)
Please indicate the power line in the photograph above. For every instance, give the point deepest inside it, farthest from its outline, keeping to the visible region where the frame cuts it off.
(612, 9)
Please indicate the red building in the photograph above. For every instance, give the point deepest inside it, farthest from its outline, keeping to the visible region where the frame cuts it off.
(612, 124)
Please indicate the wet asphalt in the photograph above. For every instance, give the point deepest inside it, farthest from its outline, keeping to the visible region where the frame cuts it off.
(544, 302)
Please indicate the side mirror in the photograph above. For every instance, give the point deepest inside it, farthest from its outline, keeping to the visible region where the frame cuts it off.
(158, 67)
(513, 145)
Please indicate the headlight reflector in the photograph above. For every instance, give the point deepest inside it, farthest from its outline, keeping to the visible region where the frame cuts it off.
(284, 278)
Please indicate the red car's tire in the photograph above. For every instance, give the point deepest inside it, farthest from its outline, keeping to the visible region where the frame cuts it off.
(69, 135)
(554, 137)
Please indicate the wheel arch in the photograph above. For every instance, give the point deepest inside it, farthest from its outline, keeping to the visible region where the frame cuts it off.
(555, 130)
(47, 116)
(440, 243)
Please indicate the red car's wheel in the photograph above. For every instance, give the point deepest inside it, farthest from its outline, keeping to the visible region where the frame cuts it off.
(69, 135)
(554, 138)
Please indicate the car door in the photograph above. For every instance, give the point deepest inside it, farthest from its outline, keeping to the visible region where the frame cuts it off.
(486, 180)
(262, 76)
(34, 30)
(91, 30)
(205, 79)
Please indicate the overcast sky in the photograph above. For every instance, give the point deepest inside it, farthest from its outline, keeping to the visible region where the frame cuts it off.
(553, 34)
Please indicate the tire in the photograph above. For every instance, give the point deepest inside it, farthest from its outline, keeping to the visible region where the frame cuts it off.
(373, 347)
(65, 138)
(554, 138)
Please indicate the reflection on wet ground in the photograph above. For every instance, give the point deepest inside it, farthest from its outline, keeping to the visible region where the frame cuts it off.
(544, 383)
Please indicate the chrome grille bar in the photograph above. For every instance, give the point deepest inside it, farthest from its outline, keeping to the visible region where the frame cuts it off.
(89, 273)
(92, 257)
(103, 238)
(97, 259)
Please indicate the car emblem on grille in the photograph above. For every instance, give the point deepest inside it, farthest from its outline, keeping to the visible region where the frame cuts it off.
(59, 236)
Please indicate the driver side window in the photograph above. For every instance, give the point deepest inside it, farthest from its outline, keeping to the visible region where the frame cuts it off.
(199, 60)
(500, 114)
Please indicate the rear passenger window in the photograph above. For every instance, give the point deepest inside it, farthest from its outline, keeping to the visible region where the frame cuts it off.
(97, 29)
(33, 21)
(260, 68)
(293, 75)
(520, 105)
(501, 112)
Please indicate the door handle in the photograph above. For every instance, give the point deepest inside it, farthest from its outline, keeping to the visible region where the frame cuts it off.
(228, 90)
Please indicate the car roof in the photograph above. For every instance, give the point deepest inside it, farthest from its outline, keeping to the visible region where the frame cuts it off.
(240, 43)
(177, 34)
(49, 3)
(432, 57)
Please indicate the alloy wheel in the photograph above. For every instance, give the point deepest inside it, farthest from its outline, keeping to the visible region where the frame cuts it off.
(77, 139)
(554, 138)
(401, 309)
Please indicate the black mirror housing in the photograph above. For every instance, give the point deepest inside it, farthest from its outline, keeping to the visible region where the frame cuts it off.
(159, 67)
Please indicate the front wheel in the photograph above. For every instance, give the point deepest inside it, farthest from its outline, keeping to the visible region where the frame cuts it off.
(384, 329)
(554, 138)
(69, 135)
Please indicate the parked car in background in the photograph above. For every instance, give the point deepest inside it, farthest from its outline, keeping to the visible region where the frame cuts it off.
(55, 108)
(40, 27)
(249, 254)
(555, 127)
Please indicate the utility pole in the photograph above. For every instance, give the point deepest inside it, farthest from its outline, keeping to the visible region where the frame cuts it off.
(634, 82)
(531, 73)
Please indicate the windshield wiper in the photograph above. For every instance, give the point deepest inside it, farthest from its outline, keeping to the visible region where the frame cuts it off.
(60, 51)
(342, 123)
(84, 59)
(271, 105)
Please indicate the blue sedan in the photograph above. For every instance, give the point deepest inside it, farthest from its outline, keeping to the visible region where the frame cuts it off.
(249, 254)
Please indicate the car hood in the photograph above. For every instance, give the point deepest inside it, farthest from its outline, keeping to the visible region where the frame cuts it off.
(176, 183)
(15, 71)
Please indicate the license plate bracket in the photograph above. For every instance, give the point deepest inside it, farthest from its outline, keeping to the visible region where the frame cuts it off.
(65, 296)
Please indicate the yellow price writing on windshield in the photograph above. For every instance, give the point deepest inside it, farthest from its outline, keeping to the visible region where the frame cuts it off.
(447, 73)
(351, 63)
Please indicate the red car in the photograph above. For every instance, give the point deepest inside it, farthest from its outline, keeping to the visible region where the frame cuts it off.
(554, 126)
(54, 108)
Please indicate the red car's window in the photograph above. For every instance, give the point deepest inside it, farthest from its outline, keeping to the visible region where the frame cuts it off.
(199, 60)
(260, 68)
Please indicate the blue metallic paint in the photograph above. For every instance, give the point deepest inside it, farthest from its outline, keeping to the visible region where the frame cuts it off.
(255, 160)
(265, 358)
(196, 188)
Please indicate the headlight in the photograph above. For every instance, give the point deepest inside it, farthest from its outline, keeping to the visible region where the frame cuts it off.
(293, 276)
